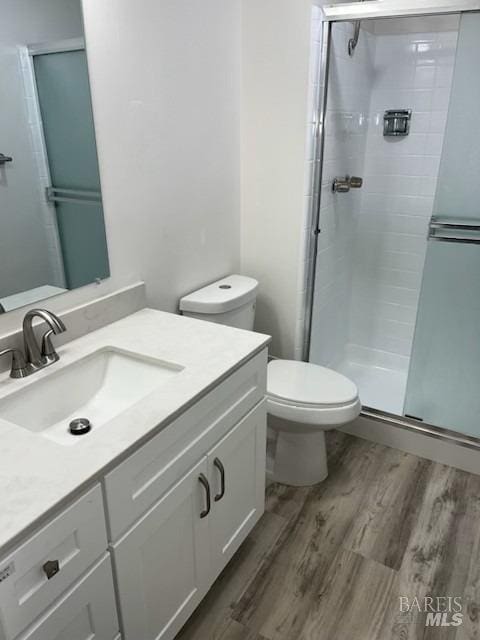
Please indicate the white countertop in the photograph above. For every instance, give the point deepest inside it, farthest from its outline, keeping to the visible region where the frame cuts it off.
(37, 474)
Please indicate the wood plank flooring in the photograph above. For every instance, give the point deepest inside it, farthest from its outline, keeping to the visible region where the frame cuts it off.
(330, 562)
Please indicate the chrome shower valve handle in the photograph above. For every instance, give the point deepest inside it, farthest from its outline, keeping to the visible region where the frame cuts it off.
(343, 185)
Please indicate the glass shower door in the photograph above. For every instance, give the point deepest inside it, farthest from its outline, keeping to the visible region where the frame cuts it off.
(65, 104)
(444, 378)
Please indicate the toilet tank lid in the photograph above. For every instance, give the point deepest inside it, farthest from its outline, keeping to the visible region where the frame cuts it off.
(224, 295)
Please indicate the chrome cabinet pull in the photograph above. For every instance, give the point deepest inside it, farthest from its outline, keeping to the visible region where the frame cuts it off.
(204, 482)
(51, 568)
(217, 463)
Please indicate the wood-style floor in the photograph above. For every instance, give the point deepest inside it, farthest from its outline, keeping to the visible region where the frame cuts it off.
(330, 562)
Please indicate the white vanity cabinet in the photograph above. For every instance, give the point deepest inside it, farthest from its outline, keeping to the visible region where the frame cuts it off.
(162, 565)
(236, 471)
(167, 520)
(167, 562)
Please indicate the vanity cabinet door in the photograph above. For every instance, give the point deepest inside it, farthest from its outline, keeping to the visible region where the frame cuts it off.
(163, 563)
(237, 476)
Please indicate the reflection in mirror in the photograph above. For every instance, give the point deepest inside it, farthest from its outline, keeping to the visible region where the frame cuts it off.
(52, 232)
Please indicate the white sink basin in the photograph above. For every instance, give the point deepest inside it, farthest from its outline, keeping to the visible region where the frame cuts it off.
(98, 387)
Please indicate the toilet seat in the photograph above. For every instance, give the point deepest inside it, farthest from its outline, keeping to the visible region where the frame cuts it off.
(309, 394)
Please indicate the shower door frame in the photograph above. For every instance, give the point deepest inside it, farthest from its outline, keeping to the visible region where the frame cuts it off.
(369, 10)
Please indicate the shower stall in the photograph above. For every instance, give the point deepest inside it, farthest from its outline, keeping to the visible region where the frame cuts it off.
(394, 281)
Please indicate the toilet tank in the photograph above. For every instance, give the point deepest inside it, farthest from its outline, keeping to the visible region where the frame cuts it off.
(229, 301)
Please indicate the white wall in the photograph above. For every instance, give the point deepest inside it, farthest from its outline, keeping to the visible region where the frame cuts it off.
(275, 82)
(165, 81)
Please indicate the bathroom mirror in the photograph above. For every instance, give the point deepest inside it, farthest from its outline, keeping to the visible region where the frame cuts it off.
(52, 232)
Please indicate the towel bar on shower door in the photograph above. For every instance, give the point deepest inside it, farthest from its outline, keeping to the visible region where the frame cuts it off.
(443, 230)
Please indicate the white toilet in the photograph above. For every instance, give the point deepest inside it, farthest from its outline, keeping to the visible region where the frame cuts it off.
(303, 400)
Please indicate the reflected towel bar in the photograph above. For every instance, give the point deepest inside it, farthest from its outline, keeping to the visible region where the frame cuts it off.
(73, 196)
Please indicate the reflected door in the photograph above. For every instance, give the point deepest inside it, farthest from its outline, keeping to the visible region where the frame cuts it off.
(444, 379)
(65, 104)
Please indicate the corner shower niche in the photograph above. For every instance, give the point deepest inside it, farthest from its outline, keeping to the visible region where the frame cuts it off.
(373, 241)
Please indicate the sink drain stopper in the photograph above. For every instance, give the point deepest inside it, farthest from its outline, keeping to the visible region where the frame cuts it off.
(80, 426)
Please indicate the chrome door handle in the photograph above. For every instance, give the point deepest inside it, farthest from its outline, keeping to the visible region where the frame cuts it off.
(218, 463)
(4, 159)
(204, 482)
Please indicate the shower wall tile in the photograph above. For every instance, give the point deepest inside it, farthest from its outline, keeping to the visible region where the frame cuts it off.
(412, 71)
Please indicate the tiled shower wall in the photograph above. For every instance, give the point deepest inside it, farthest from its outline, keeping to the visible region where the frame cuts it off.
(412, 71)
(373, 241)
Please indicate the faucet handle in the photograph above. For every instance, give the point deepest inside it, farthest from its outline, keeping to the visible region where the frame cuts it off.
(19, 367)
(48, 350)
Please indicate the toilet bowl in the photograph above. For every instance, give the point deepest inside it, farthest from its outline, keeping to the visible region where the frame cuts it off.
(303, 400)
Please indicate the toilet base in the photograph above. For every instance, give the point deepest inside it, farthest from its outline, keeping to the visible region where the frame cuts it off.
(300, 458)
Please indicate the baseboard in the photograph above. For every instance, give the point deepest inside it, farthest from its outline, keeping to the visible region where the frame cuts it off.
(418, 444)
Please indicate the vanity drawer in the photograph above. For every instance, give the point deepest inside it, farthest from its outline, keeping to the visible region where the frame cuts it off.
(135, 485)
(86, 612)
(74, 539)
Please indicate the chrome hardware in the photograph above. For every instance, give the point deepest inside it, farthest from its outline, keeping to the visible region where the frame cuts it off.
(4, 159)
(443, 230)
(34, 359)
(19, 368)
(343, 185)
(80, 426)
(356, 182)
(51, 568)
(352, 43)
(32, 351)
(48, 350)
(73, 196)
(217, 463)
(204, 482)
(396, 122)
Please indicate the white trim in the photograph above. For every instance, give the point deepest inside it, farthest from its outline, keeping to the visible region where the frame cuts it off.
(396, 8)
(418, 444)
(58, 46)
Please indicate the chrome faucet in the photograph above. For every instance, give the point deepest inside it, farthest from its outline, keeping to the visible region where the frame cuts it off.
(36, 357)
(40, 358)
(19, 367)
